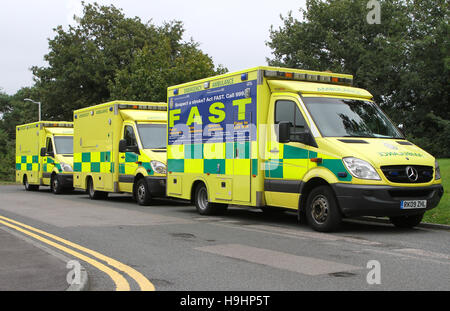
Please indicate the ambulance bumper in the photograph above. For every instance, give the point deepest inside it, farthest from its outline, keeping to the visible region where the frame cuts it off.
(66, 180)
(156, 185)
(384, 201)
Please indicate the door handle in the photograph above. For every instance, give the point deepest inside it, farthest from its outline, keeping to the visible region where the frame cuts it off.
(274, 150)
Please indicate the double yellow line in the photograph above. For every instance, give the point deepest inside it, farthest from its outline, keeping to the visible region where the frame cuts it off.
(119, 280)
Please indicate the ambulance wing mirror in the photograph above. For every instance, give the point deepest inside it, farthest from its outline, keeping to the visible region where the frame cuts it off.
(284, 132)
(124, 148)
(43, 152)
(122, 145)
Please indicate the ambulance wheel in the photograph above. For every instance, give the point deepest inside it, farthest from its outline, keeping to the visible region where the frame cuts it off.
(204, 207)
(142, 193)
(406, 221)
(322, 210)
(27, 185)
(55, 185)
(93, 194)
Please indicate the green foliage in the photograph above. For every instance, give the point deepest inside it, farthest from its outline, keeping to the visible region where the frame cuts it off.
(441, 214)
(108, 56)
(404, 61)
(13, 111)
(155, 68)
(7, 157)
(105, 56)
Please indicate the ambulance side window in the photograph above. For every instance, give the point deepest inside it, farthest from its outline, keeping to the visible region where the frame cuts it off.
(128, 135)
(49, 145)
(287, 111)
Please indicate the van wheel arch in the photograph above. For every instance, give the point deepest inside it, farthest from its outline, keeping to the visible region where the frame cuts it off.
(195, 184)
(27, 185)
(55, 185)
(306, 189)
(202, 202)
(94, 194)
(135, 181)
(141, 191)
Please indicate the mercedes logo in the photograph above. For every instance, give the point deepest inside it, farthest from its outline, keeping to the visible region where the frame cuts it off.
(412, 173)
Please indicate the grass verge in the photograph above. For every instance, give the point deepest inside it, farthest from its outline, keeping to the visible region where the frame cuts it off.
(441, 214)
(5, 182)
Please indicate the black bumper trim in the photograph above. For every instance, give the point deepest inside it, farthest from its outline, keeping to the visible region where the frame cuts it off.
(126, 179)
(66, 180)
(156, 185)
(285, 186)
(367, 200)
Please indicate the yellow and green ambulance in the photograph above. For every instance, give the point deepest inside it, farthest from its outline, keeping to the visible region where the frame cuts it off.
(44, 155)
(294, 139)
(120, 147)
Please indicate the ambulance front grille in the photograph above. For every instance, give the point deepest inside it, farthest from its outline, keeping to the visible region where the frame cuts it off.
(399, 173)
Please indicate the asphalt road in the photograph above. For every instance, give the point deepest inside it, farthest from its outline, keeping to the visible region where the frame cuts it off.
(177, 249)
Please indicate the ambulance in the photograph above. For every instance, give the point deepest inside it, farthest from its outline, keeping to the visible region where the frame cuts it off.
(306, 141)
(120, 147)
(44, 155)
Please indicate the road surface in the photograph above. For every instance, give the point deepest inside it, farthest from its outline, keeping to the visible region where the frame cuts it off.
(169, 246)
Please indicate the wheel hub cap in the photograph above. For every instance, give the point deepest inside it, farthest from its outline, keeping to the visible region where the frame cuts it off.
(141, 192)
(319, 210)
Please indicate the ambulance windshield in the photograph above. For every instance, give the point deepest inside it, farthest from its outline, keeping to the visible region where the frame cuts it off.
(153, 136)
(64, 145)
(339, 117)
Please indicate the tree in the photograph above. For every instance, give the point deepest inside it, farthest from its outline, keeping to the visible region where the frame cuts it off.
(404, 61)
(98, 59)
(155, 68)
(13, 111)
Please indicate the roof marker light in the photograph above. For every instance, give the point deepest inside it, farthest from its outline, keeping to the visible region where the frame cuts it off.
(175, 92)
(206, 85)
(312, 77)
(299, 76)
(244, 76)
(319, 77)
(270, 73)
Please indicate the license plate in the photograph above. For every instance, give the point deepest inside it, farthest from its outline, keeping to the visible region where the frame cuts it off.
(413, 204)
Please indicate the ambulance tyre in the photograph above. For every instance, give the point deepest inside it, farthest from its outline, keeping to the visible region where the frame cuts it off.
(142, 193)
(55, 185)
(406, 221)
(322, 210)
(204, 207)
(93, 194)
(27, 185)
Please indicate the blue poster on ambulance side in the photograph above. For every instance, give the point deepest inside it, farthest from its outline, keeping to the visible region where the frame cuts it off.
(223, 114)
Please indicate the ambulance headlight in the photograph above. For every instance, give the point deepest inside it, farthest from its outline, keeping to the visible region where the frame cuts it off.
(66, 167)
(360, 169)
(158, 167)
(438, 170)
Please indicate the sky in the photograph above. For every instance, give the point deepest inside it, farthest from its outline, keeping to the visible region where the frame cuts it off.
(233, 32)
